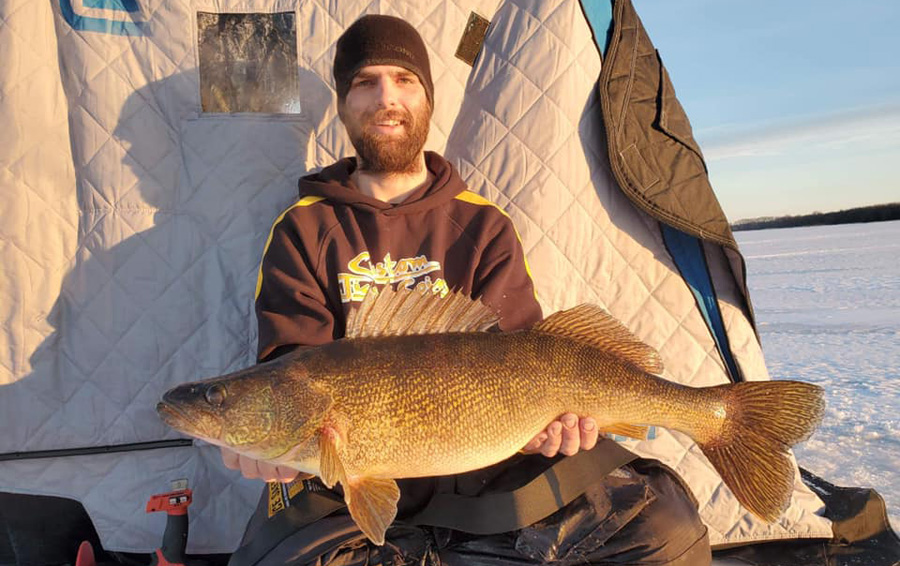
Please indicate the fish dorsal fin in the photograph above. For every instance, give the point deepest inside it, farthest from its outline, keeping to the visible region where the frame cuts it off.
(402, 312)
(590, 324)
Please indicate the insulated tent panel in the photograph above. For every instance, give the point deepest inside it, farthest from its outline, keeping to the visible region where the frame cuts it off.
(145, 153)
(587, 242)
(135, 225)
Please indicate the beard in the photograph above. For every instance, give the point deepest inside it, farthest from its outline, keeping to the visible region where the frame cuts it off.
(381, 153)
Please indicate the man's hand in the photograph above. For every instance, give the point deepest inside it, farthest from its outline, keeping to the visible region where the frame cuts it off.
(566, 436)
(257, 469)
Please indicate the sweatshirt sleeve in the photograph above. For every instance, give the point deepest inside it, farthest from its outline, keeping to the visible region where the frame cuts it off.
(291, 305)
(502, 279)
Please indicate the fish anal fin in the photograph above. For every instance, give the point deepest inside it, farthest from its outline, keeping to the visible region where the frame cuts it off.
(331, 468)
(639, 432)
(373, 505)
(591, 325)
(402, 312)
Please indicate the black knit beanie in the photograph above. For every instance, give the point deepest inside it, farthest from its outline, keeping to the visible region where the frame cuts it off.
(380, 40)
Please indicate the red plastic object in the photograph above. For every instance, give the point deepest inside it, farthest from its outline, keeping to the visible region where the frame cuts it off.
(85, 555)
(159, 559)
(173, 503)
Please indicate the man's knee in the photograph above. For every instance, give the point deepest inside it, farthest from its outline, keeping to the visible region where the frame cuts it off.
(670, 524)
(640, 514)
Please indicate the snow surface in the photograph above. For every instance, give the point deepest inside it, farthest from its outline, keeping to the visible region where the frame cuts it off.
(827, 304)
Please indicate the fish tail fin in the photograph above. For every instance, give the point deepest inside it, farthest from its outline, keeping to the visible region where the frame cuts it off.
(763, 419)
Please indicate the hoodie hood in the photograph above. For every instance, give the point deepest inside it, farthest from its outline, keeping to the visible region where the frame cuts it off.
(335, 184)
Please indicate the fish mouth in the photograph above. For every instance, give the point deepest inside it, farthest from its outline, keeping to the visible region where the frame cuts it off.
(197, 426)
(172, 416)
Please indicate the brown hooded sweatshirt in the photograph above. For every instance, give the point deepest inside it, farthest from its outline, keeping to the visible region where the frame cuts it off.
(326, 250)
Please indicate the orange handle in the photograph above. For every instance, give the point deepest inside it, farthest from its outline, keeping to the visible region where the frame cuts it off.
(173, 503)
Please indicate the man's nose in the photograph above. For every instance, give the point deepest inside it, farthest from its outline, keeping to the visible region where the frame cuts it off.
(387, 93)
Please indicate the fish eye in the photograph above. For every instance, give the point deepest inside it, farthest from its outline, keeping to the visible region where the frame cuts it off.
(216, 394)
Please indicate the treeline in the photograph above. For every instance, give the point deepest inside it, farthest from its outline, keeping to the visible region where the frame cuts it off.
(877, 213)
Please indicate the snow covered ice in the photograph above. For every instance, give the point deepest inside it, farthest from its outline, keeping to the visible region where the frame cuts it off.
(827, 303)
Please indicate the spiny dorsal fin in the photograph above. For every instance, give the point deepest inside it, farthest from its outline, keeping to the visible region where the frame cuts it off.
(402, 312)
(592, 325)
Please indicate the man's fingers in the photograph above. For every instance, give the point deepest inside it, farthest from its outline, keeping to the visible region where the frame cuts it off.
(230, 459)
(285, 474)
(534, 445)
(257, 469)
(267, 471)
(550, 447)
(271, 472)
(588, 433)
(249, 468)
(566, 436)
(571, 435)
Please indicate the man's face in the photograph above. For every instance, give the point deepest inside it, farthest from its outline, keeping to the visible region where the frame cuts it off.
(386, 113)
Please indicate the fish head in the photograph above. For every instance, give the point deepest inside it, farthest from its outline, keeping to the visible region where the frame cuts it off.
(263, 412)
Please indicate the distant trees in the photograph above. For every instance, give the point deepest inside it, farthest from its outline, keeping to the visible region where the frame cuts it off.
(877, 213)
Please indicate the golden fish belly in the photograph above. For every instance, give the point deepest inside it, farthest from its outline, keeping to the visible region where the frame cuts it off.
(417, 406)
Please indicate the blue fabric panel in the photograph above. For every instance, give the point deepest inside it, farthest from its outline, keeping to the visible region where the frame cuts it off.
(685, 249)
(101, 25)
(687, 252)
(599, 16)
(118, 5)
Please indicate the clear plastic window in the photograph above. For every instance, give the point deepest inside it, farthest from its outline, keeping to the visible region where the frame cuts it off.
(248, 63)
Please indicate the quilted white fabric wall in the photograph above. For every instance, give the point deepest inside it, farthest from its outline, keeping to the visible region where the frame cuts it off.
(131, 233)
(132, 223)
(529, 137)
(38, 216)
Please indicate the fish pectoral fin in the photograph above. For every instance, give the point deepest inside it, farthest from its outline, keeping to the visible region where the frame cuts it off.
(331, 468)
(372, 502)
(639, 432)
(373, 505)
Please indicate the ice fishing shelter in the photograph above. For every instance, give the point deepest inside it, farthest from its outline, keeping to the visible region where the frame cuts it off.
(147, 147)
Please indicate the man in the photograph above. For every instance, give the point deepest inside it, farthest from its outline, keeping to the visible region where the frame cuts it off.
(396, 215)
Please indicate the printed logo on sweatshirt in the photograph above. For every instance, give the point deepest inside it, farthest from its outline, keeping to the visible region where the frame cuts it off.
(411, 272)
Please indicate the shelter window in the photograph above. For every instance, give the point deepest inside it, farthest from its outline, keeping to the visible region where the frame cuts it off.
(248, 63)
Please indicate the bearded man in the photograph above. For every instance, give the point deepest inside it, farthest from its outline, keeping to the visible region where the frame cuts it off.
(400, 216)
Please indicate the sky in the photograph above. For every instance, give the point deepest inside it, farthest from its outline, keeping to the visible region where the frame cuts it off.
(795, 103)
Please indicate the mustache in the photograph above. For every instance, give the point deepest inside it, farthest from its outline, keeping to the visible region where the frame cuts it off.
(401, 116)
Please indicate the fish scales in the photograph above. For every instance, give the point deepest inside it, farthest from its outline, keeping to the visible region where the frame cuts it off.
(396, 394)
(381, 405)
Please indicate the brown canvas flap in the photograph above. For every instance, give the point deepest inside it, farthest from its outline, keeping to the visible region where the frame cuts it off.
(652, 150)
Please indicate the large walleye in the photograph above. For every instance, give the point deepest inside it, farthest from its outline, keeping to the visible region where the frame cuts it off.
(417, 386)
